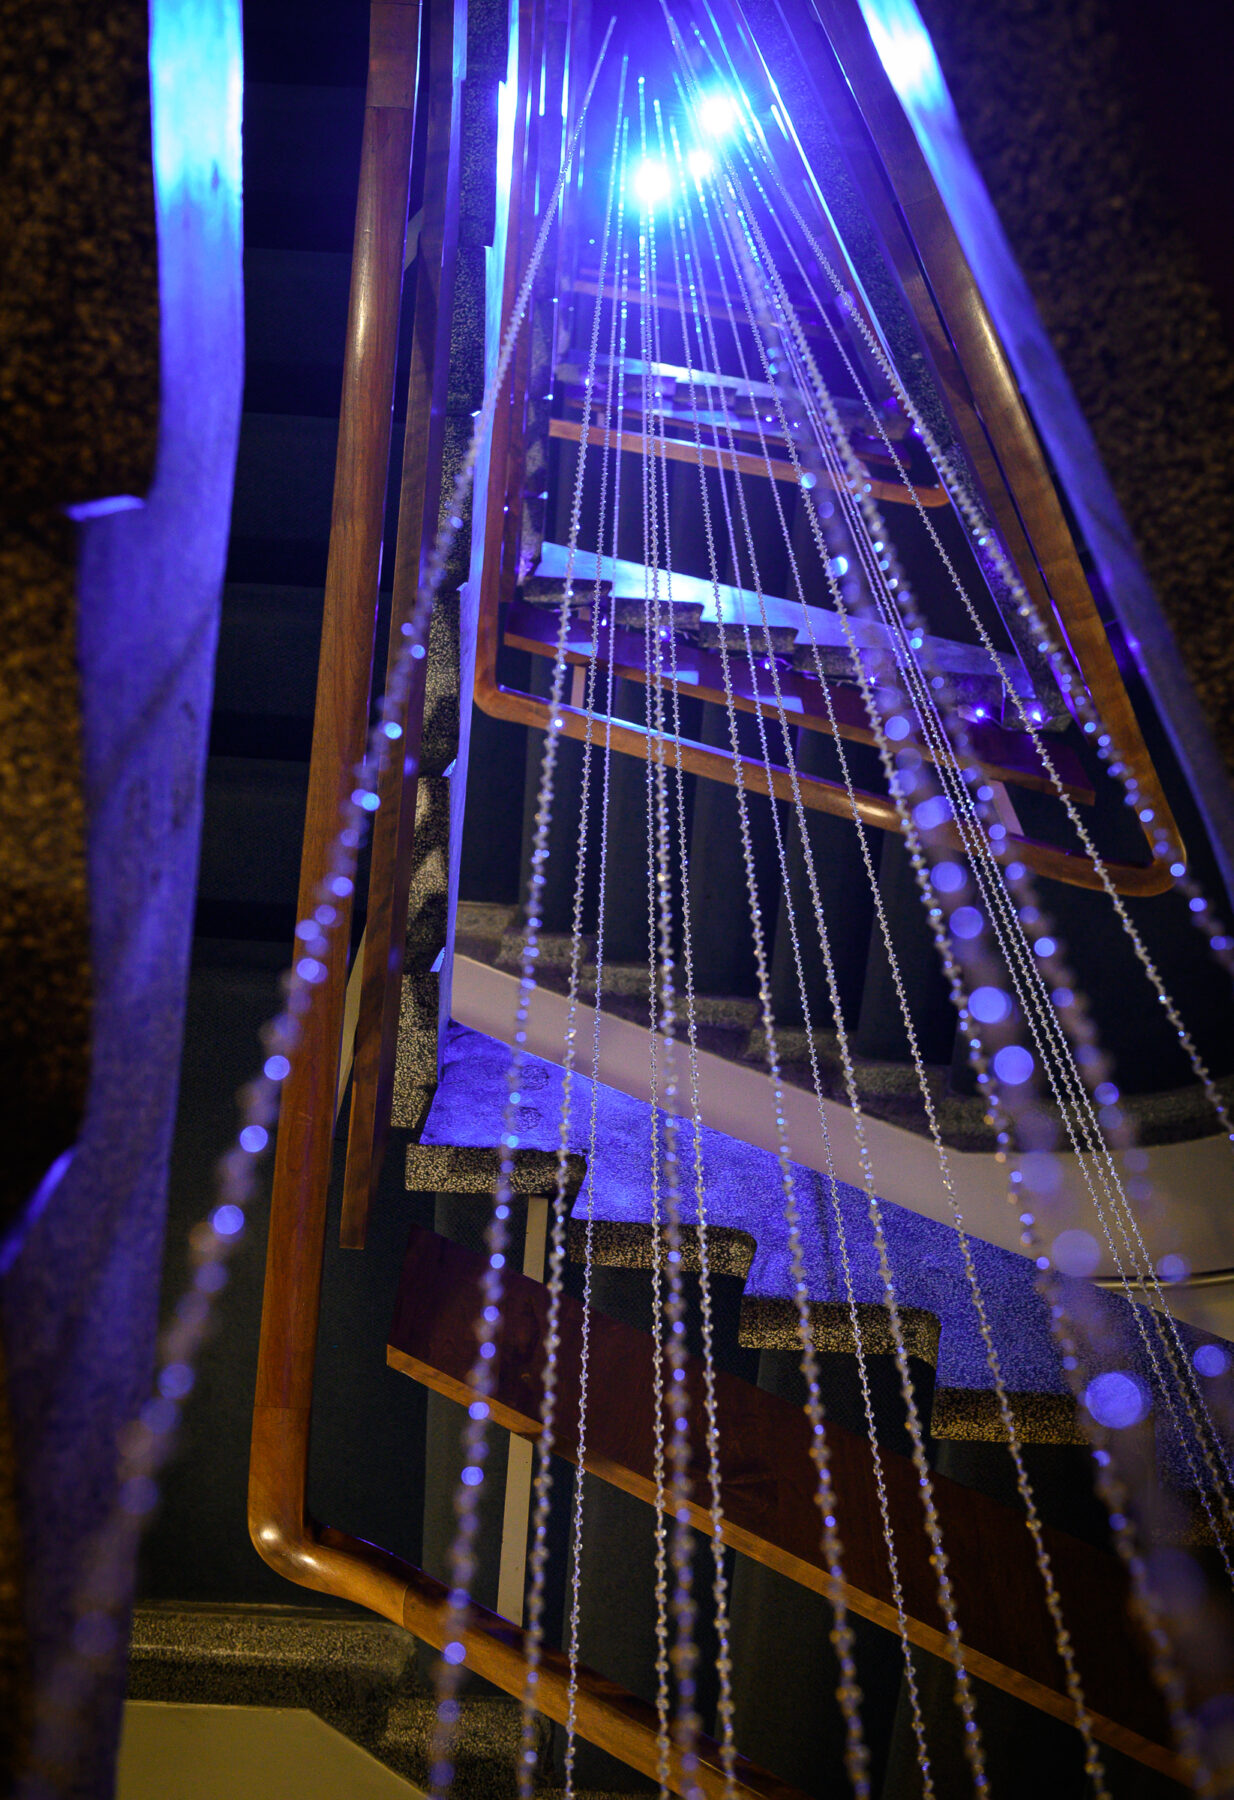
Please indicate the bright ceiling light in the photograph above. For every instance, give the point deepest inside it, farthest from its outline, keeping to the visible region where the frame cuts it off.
(717, 114)
(651, 182)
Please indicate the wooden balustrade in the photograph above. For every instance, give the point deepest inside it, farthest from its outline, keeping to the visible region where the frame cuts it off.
(376, 1039)
(306, 1124)
(287, 1537)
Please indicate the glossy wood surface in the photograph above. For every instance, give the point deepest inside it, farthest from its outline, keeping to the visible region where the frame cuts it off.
(306, 1125)
(745, 462)
(769, 1495)
(333, 1562)
(393, 850)
(1003, 755)
(817, 793)
(830, 45)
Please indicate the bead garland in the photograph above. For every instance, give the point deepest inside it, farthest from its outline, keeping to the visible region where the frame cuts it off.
(615, 392)
(856, 484)
(546, 1439)
(667, 1296)
(1043, 953)
(448, 1670)
(964, 1694)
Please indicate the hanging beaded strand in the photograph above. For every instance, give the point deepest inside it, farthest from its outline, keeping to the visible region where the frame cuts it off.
(660, 635)
(964, 1693)
(534, 1636)
(1176, 1354)
(611, 456)
(725, 1706)
(1112, 1489)
(684, 1655)
(449, 1667)
(659, 1460)
(848, 1690)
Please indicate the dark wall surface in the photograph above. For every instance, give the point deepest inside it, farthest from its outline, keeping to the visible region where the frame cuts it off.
(120, 363)
(305, 69)
(1104, 134)
(78, 420)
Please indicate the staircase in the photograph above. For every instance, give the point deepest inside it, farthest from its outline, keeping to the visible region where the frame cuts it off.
(304, 106)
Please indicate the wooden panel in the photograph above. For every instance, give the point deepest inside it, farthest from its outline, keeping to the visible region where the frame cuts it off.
(1004, 755)
(769, 1496)
(340, 723)
(394, 827)
(745, 463)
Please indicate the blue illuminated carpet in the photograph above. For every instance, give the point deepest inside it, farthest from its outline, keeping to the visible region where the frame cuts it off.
(744, 1201)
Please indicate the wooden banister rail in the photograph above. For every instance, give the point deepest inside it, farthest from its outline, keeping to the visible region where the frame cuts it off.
(306, 1124)
(842, 80)
(376, 1039)
(332, 1562)
(287, 1538)
(818, 794)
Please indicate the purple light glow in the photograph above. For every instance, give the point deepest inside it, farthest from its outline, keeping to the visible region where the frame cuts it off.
(1076, 1253)
(1116, 1399)
(1013, 1064)
(966, 922)
(932, 812)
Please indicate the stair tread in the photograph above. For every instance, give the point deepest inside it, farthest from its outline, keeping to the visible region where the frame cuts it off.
(769, 1483)
(744, 1195)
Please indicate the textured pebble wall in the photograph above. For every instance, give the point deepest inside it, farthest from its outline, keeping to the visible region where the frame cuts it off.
(1048, 98)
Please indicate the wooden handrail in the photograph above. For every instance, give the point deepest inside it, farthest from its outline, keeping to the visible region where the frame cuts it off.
(745, 462)
(376, 1040)
(306, 1123)
(332, 1562)
(280, 1526)
(1002, 755)
(818, 794)
(836, 63)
